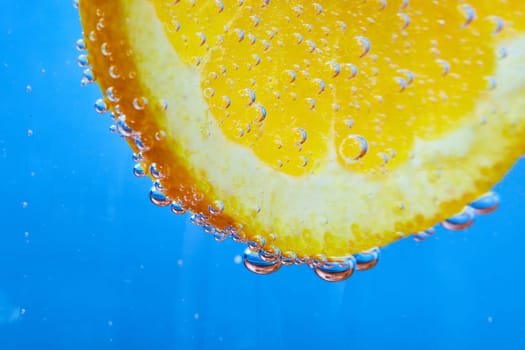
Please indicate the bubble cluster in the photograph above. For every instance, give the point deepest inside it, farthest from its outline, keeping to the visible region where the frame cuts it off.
(354, 85)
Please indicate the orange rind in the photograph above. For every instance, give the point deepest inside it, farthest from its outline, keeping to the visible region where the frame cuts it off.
(314, 131)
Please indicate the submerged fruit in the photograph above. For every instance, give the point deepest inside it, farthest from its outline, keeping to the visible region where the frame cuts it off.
(314, 130)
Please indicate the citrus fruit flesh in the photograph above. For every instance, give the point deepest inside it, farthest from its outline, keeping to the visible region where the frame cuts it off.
(325, 127)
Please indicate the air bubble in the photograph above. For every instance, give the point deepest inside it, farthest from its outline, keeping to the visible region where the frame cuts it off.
(298, 38)
(336, 271)
(402, 84)
(298, 10)
(100, 106)
(310, 102)
(198, 219)
(288, 258)
(270, 255)
(364, 43)
(177, 208)
(240, 34)
(254, 263)
(202, 38)
(140, 144)
(87, 77)
(409, 76)
(209, 92)
(219, 236)
(350, 71)
(216, 208)
(301, 136)
(226, 102)
(139, 103)
(155, 172)
(139, 171)
(111, 94)
(334, 68)
(289, 76)
(303, 161)
(260, 113)
(491, 82)
(174, 26)
(468, 12)
(460, 221)
(384, 158)
(158, 198)
(310, 45)
(445, 65)
(353, 148)
(160, 135)
(137, 157)
(122, 127)
(256, 20)
(100, 24)
(318, 8)
(82, 61)
(499, 24)
(113, 72)
(486, 203)
(423, 235)
(248, 96)
(104, 48)
(367, 259)
(405, 20)
(321, 85)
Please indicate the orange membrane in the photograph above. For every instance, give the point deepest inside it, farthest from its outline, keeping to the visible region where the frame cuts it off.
(314, 131)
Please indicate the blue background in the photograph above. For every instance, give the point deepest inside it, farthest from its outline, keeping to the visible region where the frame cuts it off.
(90, 263)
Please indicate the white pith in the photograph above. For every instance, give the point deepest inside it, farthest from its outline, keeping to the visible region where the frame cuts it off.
(333, 200)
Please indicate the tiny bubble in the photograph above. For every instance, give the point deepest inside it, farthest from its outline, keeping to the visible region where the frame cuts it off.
(29, 88)
(101, 106)
(237, 259)
(29, 132)
(24, 204)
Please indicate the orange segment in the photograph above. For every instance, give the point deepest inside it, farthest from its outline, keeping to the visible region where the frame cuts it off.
(322, 128)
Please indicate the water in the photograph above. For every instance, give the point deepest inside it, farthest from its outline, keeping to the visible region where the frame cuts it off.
(87, 262)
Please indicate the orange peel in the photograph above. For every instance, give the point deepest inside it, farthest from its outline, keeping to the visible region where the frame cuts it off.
(314, 129)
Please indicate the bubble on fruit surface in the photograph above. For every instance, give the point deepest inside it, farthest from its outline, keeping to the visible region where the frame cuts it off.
(460, 221)
(486, 203)
(336, 271)
(353, 148)
(254, 263)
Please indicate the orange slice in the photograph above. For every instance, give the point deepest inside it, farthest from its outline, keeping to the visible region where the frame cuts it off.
(316, 128)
